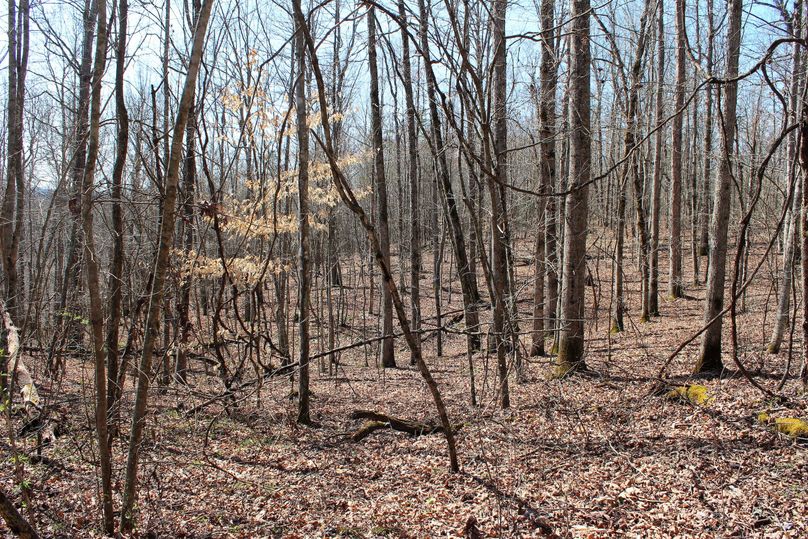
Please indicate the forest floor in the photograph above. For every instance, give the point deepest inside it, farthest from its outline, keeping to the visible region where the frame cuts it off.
(596, 455)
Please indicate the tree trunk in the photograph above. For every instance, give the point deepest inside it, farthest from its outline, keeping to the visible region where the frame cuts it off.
(656, 187)
(347, 196)
(160, 269)
(792, 233)
(498, 231)
(115, 286)
(618, 307)
(704, 215)
(573, 302)
(675, 282)
(14, 519)
(631, 166)
(468, 279)
(412, 171)
(96, 314)
(544, 301)
(709, 359)
(804, 250)
(12, 209)
(380, 187)
(304, 270)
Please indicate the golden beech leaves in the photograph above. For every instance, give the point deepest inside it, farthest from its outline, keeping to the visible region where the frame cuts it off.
(264, 211)
(245, 270)
(272, 121)
(259, 214)
(263, 208)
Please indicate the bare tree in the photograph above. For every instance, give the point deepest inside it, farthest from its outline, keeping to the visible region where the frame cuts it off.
(499, 239)
(791, 235)
(349, 199)
(115, 281)
(380, 186)
(704, 214)
(93, 272)
(304, 269)
(71, 281)
(544, 298)
(656, 181)
(468, 277)
(675, 282)
(709, 359)
(13, 204)
(160, 268)
(573, 288)
(412, 172)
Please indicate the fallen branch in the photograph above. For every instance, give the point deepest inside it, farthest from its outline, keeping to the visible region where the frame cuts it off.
(378, 421)
(17, 368)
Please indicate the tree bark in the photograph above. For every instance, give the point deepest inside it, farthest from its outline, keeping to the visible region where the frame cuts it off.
(115, 282)
(499, 237)
(12, 208)
(468, 278)
(14, 519)
(792, 234)
(412, 171)
(804, 251)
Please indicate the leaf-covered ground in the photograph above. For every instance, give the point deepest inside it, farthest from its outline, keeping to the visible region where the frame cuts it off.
(599, 455)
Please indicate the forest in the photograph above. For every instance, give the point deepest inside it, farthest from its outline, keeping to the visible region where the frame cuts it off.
(404, 268)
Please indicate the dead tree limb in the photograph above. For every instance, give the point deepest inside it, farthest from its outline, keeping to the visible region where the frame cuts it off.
(14, 520)
(378, 421)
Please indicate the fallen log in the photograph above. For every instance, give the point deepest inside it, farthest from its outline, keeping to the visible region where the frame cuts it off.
(378, 421)
(367, 428)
